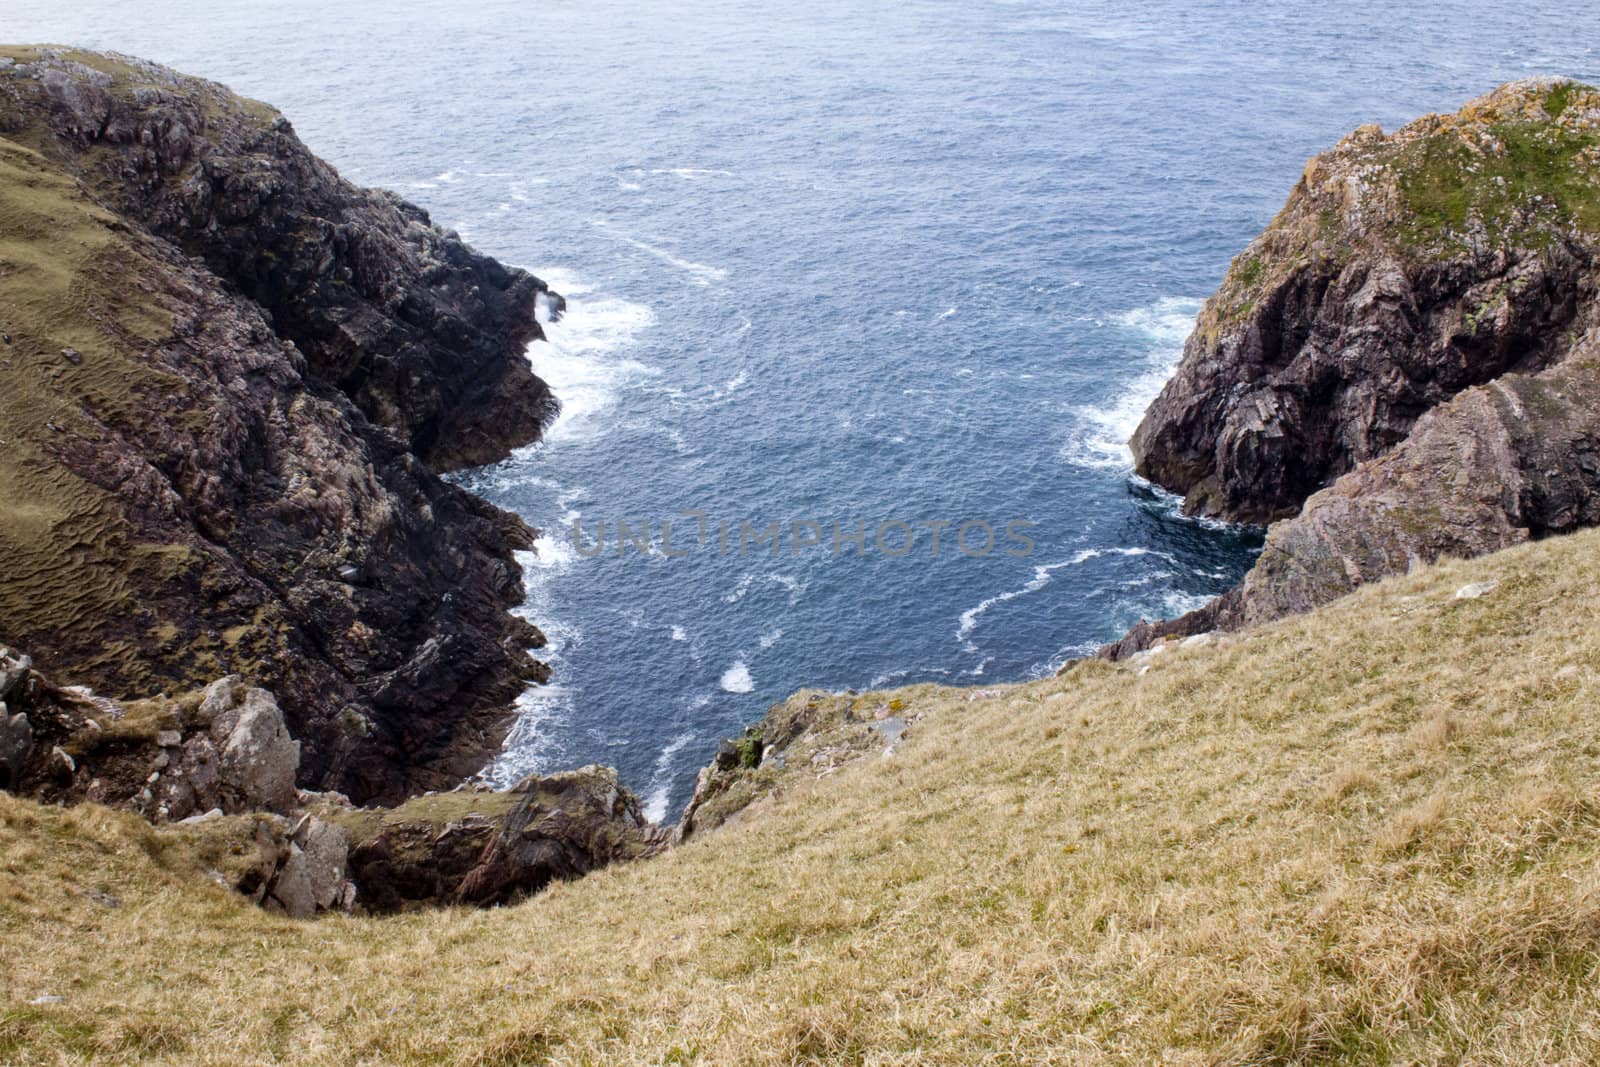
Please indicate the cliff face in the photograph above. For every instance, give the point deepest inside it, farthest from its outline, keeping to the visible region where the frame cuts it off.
(1403, 365)
(223, 372)
(422, 333)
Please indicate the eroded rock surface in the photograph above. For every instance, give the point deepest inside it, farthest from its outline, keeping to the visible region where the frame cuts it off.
(1405, 364)
(225, 375)
(488, 848)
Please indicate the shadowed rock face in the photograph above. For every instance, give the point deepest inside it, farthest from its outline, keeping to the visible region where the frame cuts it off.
(222, 372)
(1497, 465)
(1403, 365)
(1402, 270)
(1337, 365)
(425, 335)
(486, 848)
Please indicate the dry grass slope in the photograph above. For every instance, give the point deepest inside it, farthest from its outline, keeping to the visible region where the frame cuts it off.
(1370, 835)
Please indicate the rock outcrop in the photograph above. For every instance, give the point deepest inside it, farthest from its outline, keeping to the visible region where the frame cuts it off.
(1403, 269)
(1405, 364)
(216, 763)
(486, 848)
(297, 868)
(225, 747)
(226, 376)
(812, 732)
(218, 766)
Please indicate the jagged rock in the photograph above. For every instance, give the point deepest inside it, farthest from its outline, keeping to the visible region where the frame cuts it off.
(14, 668)
(268, 360)
(60, 766)
(1375, 296)
(218, 707)
(299, 870)
(290, 889)
(1405, 365)
(811, 731)
(16, 745)
(496, 848)
(259, 758)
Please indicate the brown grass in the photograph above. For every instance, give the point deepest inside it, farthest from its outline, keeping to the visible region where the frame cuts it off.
(1269, 853)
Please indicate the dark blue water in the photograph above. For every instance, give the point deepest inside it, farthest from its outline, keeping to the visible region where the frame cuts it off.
(844, 264)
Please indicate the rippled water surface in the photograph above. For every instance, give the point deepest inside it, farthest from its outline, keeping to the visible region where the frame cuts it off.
(844, 264)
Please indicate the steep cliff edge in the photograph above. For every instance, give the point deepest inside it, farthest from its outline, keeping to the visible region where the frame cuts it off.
(425, 335)
(1404, 365)
(1403, 269)
(1338, 838)
(222, 373)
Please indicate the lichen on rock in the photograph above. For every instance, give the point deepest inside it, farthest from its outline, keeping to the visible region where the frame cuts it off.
(1404, 269)
(1405, 365)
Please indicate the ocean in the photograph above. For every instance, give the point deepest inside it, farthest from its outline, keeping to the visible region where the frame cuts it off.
(840, 278)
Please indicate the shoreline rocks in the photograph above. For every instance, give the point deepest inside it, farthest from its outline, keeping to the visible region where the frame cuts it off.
(225, 404)
(1405, 365)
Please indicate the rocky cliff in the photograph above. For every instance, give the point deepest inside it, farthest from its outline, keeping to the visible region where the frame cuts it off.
(1404, 365)
(226, 379)
(217, 767)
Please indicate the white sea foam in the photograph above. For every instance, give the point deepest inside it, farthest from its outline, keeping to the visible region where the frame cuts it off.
(739, 591)
(702, 273)
(1042, 575)
(771, 637)
(679, 633)
(1176, 602)
(1171, 504)
(887, 679)
(736, 679)
(531, 746)
(945, 314)
(578, 356)
(518, 190)
(1100, 438)
(693, 173)
(788, 582)
(655, 805)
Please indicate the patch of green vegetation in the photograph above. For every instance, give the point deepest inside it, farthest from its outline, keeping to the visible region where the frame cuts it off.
(1533, 180)
(748, 749)
(1556, 101)
(1248, 273)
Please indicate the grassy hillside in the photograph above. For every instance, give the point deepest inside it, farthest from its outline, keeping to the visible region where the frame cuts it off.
(1370, 835)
